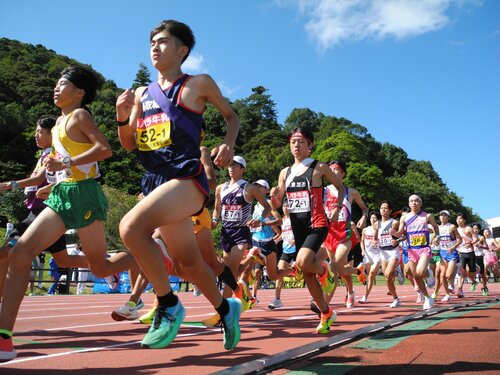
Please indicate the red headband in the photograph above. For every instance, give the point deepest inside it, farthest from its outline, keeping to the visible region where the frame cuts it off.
(337, 166)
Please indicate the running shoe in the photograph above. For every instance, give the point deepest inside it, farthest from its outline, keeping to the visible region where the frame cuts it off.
(242, 294)
(395, 303)
(361, 274)
(126, 312)
(363, 299)
(165, 326)
(446, 298)
(256, 254)
(196, 292)
(213, 321)
(315, 309)
(167, 261)
(434, 295)
(420, 297)
(252, 302)
(430, 279)
(428, 302)
(7, 351)
(148, 317)
(276, 304)
(297, 272)
(140, 304)
(485, 291)
(112, 281)
(451, 289)
(460, 294)
(231, 324)
(350, 301)
(326, 321)
(473, 286)
(326, 280)
(400, 276)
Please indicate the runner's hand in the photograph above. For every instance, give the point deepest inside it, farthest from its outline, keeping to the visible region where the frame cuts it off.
(124, 104)
(223, 155)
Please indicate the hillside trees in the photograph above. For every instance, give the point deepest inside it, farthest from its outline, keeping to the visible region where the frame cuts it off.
(379, 171)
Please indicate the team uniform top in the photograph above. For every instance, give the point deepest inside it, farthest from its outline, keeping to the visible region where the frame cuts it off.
(64, 146)
(261, 233)
(32, 202)
(369, 239)
(167, 151)
(305, 202)
(341, 229)
(236, 210)
(384, 238)
(287, 236)
(446, 240)
(478, 250)
(466, 240)
(417, 231)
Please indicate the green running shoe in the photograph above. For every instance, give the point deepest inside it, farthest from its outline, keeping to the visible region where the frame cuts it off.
(165, 326)
(231, 324)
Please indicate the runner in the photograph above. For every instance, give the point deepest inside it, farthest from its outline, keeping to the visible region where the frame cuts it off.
(389, 251)
(416, 226)
(164, 122)
(288, 256)
(490, 254)
(233, 207)
(264, 241)
(76, 200)
(303, 185)
(479, 247)
(449, 240)
(466, 252)
(338, 241)
(371, 253)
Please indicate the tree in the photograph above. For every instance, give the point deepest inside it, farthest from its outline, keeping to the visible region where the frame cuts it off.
(143, 77)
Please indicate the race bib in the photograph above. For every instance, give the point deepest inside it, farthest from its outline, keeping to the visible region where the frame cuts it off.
(342, 215)
(56, 177)
(385, 240)
(298, 201)
(418, 240)
(30, 189)
(232, 212)
(153, 132)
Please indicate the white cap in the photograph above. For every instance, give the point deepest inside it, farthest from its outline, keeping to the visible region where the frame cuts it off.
(262, 183)
(240, 160)
(446, 212)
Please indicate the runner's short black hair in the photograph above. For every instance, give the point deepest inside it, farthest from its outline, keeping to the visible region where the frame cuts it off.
(179, 30)
(46, 122)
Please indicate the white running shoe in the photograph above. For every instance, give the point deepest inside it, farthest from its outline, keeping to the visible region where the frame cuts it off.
(349, 301)
(363, 300)
(400, 276)
(395, 303)
(428, 302)
(420, 297)
(112, 281)
(446, 298)
(128, 311)
(276, 304)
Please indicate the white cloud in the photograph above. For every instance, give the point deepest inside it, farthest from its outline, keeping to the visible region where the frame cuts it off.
(226, 90)
(194, 64)
(334, 21)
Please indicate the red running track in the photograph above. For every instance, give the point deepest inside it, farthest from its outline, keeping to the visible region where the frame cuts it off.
(56, 334)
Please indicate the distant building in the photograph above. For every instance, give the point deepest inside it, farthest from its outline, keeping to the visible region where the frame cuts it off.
(494, 225)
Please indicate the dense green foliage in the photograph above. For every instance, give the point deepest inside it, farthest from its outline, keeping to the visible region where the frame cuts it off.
(379, 171)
